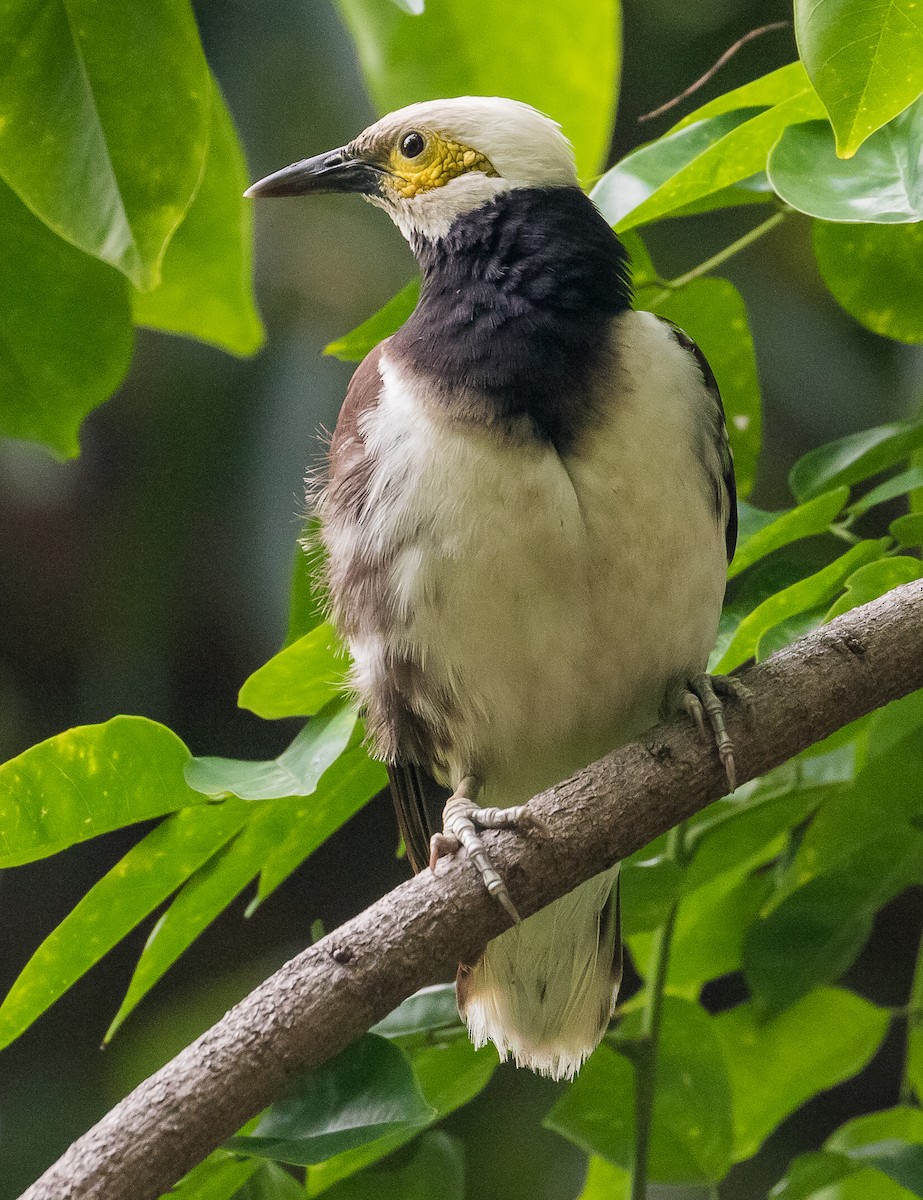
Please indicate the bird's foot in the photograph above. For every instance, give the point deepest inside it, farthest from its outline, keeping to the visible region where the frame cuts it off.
(461, 819)
(701, 698)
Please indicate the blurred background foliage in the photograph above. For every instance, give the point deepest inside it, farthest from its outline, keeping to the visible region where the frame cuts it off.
(152, 574)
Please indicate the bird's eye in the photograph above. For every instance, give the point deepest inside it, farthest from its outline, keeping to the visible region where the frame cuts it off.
(412, 144)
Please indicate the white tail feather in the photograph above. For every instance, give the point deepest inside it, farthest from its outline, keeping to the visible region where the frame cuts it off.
(543, 991)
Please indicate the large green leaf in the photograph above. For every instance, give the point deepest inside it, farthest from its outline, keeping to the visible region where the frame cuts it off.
(855, 457)
(450, 1073)
(354, 346)
(65, 331)
(781, 529)
(299, 680)
(272, 826)
(712, 312)
(104, 122)
(295, 772)
(881, 183)
(87, 781)
(206, 284)
(817, 932)
(873, 580)
(888, 1143)
(431, 1008)
(776, 1065)
(649, 886)
(640, 173)
(270, 1182)
(367, 1091)
(908, 530)
(865, 60)
(819, 588)
(897, 485)
(691, 1129)
(736, 156)
(876, 273)
(218, 1177)
(563, 59)
(436, 1172)
(134, 887)
(784, 83)
(605, 1181)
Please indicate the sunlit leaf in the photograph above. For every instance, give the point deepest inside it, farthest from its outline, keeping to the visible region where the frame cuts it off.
(855, 457)
(294, 773)
(816, 933)
(562, 59)
(367, 1091)
(649, 886)
(776, 1065)
(908, 530)
(299, 680)
(866, 61)
(781, 529)
(881, 183)
(87, 781)
(873, 580)
(65, 331)
(206, 284)
(450, 1074)
(691, 1130)
(105, 122)
(436, 1172)
(218, 1177)
(605, 1181)
(817, 589)
(784, 83)
(354, 346)
(134, 887)
(712, 312)
(898, 485)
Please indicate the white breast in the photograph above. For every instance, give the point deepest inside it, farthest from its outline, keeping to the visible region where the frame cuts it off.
(555, 597)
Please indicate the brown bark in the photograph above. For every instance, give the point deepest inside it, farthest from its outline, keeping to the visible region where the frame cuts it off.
(335, 990)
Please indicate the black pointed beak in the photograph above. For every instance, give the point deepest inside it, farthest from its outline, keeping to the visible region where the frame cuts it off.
(334, 171)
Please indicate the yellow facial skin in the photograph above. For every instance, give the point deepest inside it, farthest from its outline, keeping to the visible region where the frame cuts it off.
(440, 161)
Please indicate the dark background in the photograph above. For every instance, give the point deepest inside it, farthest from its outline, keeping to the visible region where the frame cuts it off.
(151, 576)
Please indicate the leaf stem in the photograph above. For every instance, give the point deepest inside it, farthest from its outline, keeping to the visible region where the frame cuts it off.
(716, 260)
(914, 1013)
(646, 1056)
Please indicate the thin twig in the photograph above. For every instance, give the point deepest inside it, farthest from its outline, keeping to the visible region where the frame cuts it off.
(715, 68)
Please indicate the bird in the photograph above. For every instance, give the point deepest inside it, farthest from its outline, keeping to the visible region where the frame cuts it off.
(528, 512)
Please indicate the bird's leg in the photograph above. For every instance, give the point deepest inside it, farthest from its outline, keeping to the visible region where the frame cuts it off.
(700, 698)
(461, 818)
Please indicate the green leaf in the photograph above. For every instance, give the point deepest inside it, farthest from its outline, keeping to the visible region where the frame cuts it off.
(648, 888)
(87, 781)
(431, 1008)
(65, 331)
(817, 932)
(712, 312)
(691, 1130)
(104, 122)
(450, 1074)
(764, 579)
(366, 1091)
(776, 1065)
(876, 273)
(784, 83)
(294, 773)
(564, 60)
(780, 529)
(873, 580)
(817, 589)
(299, 680)
(270, 1182)
(790, 630)
(277, 837)
(144, 878)
(218, 1177)
(898, 485)
(908, 530)
(436, 1172)
(811, 1175)
(354, 346)
(880, 184)
(736, 156)
(605, 1181)
(890, 1142)
(306, 599)
(865, 60)
(345, 787)
(206, 285)
(639, 174)
(855, 457)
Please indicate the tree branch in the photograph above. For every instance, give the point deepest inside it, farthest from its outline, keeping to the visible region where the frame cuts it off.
(335, 990)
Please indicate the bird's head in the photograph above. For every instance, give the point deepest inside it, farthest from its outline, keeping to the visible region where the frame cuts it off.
(429, 163)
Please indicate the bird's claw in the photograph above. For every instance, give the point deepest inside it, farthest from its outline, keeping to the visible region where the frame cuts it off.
(701, 700)
(461, 818)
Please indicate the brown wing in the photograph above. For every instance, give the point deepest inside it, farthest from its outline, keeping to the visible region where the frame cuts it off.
(355, 585)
